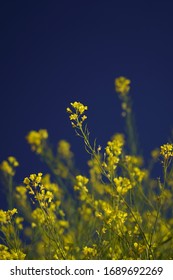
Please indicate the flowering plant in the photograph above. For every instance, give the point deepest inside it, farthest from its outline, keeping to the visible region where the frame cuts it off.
(117, 212)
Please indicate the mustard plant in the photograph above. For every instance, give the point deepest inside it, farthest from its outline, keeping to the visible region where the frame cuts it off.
(116, 210)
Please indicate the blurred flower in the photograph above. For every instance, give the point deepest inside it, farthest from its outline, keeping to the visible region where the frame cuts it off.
(122, 85)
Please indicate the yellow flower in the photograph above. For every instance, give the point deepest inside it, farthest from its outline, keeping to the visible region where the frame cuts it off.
(122, 85)
(79, 107)
(33, 138)
(6, 254)
(73, 117)
(80, 186)
(32, 177)
(38, 179)
(69, 110)
(64, 149)
(76, 114)
(166, 150)
(90, 251)
(37, 139)
(26, 181)
(122, 185)
(13, 161)
(18, 222)
(8, 166)
(2, 216)
(6, 216)
(82, 180)
(113, 151)
(35, 187)
(155, 153)
(43, 133)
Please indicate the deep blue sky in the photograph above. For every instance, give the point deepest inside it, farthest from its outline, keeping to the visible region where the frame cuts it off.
(56, 52)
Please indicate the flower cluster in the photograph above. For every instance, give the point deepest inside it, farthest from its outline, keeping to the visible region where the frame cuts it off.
(77, 116)
(37, 189)
(6, 254)
(133, 165)
(90, 252)
(113, 151)
(122, 185)
(8, 166)
(80, 186)
(6, 216)
(166, 150)
(37, 140)
(119, 211)
(64, 149)
(122, 85)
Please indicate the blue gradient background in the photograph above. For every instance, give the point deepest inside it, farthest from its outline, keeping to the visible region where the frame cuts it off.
(56, 52)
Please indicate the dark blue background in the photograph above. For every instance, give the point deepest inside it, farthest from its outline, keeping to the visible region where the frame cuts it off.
(56, 52)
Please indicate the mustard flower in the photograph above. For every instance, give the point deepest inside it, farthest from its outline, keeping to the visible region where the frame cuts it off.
(155, 154)
(80, 186)
(122, 185)
(90, 252)
(8, 166)
(166, 150)
(4, 253)
(13, 161)
(36, 188)
(64, 149)
(79, 107)
(18, 222)
(7, 254)
(122, 85)
(6, 216)
(76, 113)
(113, 151)
(37, 139)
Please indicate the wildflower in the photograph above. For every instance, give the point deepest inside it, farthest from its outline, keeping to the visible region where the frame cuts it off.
(39, 217)
(3, 216)
(113, 151)
(7, 254)
(80, 186)
(166, 150)
(18, 222)
(37, 139)
(139, 174)
(122, 85)
(133, 164)
(4, 253)
(8, 166)
(52, 187)
(90, 252)
(6, 216)
(76, 114)
(48, 196)
(122, 185)
(133, 161)
(81, 180)
(140, 248)
(26, 181)
(73, 117)
(155, 153)
(36, 188)
(64, 149)
(17, 255)
(13, 161)
(85, 212)
(79, 107)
